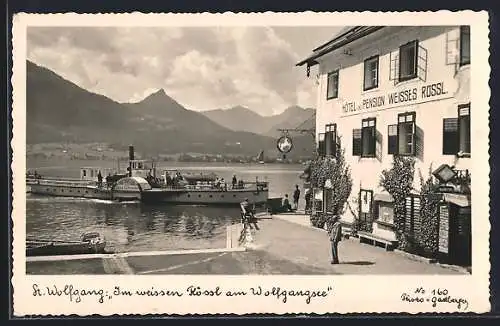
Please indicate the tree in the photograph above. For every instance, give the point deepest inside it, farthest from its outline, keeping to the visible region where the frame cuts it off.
(398, 181)
(338, 172)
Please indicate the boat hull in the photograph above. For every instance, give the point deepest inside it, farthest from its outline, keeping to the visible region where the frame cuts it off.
(206, 197)
(61, 190)
(65, 249)
(155, 195)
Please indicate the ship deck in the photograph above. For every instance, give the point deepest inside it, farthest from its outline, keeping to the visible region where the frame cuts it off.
(181, 190)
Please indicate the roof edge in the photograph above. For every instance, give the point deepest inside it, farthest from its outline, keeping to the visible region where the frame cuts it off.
(354, 33)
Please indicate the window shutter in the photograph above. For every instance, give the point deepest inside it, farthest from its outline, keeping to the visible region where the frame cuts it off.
(330, 137)
(414, 138)
(321, 144)
(422, 63)
(356, 142)
(452, 48)
(409, 215)
(392, 139)
(329, 143)
(417, 220)
(450, 136)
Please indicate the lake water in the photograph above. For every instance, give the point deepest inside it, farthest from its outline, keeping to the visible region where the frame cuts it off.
(137, 227)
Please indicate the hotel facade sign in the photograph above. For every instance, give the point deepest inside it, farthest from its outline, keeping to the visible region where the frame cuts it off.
(410, 95)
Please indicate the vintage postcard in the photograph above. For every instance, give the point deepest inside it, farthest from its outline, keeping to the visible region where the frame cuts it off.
(250, 163)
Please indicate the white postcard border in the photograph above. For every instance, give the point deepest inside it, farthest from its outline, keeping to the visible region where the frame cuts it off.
(365, 294)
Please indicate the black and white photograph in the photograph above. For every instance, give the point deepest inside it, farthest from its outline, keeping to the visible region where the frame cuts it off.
(262, 149)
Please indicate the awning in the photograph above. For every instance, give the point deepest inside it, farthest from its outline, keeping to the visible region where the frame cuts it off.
(383, 196)
(457, 199)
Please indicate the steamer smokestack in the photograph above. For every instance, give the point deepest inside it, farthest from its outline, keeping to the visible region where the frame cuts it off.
(131, 152)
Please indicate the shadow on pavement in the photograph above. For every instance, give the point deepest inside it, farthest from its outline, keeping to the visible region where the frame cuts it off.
(361, 263)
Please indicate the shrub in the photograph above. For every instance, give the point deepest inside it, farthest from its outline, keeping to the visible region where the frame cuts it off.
(398, 181)
(428, 239)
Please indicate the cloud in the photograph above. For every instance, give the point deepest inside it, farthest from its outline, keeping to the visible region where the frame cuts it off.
(201, 67)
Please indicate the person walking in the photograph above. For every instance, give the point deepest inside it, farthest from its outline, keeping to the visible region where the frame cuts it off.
(335, 235)
(296, 196)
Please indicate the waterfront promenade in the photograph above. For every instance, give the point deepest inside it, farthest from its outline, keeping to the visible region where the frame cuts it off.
(284, 244)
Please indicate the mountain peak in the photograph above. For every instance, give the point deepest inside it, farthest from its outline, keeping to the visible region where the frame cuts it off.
(159, 93)
(159, 98)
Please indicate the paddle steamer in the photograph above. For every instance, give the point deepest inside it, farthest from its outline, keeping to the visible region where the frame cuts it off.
(143, 182)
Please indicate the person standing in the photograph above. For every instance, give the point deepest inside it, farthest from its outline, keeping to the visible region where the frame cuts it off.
(99, 179)
(234, 181)
(308, 195)
(296, 196)
(335, 235)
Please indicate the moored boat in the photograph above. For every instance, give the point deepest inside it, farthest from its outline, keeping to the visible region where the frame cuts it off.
(90, 243)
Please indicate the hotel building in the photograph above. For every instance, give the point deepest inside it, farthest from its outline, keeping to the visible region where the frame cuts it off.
(396, 90)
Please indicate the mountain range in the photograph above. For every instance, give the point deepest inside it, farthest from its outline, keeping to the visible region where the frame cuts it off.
(60, 111)
(243, 119)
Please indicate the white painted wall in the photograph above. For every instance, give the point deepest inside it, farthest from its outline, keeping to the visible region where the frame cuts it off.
(429, 113)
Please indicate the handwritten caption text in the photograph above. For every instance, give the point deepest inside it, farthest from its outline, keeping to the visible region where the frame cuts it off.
(435, 297)
(76, 295)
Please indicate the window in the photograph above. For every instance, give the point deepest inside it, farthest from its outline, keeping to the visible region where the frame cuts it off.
(371, 73)
(365, 209)
(332, 88)
(321, 144)
(84, 173)
(408, 55)
(368, 139)
(406, 133)
(356, 142)
(456, 133)
(330, 139)
(386, 212)
(364, 139)
(464, 45)
(392, 142)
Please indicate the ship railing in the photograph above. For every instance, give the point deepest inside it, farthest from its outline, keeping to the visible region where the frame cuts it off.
(250, 185)
(69, 182)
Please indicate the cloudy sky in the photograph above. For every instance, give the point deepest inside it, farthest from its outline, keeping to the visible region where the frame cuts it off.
(201, 68)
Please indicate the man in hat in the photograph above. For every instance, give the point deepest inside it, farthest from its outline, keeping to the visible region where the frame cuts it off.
(335, 235)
